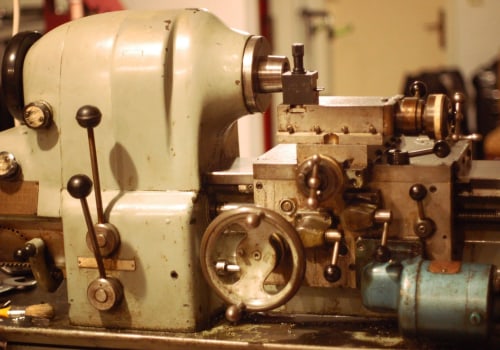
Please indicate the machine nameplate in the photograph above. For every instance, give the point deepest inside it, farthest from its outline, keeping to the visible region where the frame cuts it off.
(109, 264)
(18, 198)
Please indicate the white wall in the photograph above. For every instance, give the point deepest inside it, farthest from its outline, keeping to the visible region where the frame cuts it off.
(238, 14)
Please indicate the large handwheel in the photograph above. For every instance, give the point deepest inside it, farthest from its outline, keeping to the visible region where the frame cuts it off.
(239, 251)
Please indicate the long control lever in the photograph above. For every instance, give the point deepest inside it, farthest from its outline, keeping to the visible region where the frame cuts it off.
(105, 292)
(107, 234)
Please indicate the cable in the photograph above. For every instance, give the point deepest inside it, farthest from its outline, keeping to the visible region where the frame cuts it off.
(16, 14)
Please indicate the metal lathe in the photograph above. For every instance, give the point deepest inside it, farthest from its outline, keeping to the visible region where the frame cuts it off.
(369, 224)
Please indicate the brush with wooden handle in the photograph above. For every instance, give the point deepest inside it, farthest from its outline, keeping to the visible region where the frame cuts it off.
(37, 311)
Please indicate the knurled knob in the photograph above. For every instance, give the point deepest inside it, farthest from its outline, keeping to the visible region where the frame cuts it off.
(88, 116)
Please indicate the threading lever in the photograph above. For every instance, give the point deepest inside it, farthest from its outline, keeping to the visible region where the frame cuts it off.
(89, 117)
(108, 238)
(80, 186)
(103, 293)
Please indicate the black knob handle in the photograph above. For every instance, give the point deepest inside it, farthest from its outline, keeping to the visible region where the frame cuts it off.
(418, 192)
(79, 186)
(332, 273)
(382, 253)
(418, 89)
(24, 253)
(88, 116)
(441, 149)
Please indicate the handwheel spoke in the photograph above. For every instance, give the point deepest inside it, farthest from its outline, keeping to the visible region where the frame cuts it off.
(257, 259)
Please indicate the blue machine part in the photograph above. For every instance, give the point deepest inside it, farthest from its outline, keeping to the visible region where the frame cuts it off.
(380, 285)
(433, 299)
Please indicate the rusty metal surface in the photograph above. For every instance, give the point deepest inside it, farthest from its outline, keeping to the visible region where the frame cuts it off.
(445, 267)
(18, 198)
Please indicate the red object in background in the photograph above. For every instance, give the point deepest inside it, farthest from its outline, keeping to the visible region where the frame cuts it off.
(52, 19)
(99, 6)
(265, 31)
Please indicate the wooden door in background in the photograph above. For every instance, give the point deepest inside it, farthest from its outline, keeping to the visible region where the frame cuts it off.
(379, 42)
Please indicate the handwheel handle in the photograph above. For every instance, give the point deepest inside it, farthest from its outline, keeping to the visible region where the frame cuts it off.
(256, 257)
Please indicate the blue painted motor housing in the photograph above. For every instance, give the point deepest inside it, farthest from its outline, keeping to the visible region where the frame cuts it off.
(432, 299)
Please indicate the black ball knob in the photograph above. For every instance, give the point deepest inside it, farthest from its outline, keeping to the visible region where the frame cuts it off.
(332, 273)
(79, 186)
(382, 253)
(24, 253)
(19, 255)
(418, 192)
(418, 89)
(88, 116)
(441, 149)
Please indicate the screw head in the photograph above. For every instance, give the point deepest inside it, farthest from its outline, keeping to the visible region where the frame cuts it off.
(475, 318)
